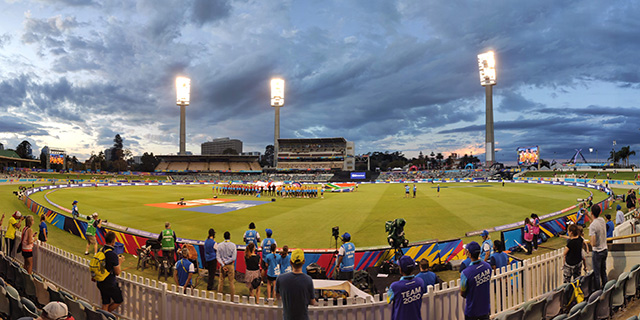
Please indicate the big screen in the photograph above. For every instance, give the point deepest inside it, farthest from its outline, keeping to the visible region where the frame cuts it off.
(56, 159)
(528, 156)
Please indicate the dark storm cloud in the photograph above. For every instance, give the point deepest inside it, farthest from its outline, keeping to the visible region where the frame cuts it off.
(512, 101)
(18, 125)
(13, 91)
(207, 11)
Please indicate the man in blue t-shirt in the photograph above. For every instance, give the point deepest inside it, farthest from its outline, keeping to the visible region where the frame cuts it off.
(465, 263)
(406, 293)
(210, 257)
(251, 235)
(296, 290)
(498, 259)
(428, 277)
(346, 258)
(474, 285)
(610, 226)
(183, 270)
(580, 217)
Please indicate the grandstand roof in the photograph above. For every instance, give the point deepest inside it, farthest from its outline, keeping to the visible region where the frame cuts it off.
(13, 156)
(314, 140)
(208, 157)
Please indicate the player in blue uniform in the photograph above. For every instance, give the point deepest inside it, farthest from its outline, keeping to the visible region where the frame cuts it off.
(498, 259)
(487, 248)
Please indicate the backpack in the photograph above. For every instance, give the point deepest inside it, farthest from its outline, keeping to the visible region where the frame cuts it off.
(578, 295)
(97, 266)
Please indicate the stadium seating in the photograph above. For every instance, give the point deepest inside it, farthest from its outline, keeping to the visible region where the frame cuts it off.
(534, 309)
(42, 294)
(5, 305)
(14, 303)
(29, 308)
(554, 303)
(511, 315)
(617, 296)
(587, 283)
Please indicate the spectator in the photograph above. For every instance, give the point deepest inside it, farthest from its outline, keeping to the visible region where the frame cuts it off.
(28, 238)
(54, 310)
(498, 259)
(183, 270)
(597, 231)
(251, 235)
(346, 258)
(296, 290)
(93, 224)
(609, 225)
(10, 236)
(168, 240)
(573, 255)
(273, 270)
(631, 200)
(74, 209)
(535, 223)
(43, 235)
(528, 235)
(285, 260)
(428, 277)
(406, 293)
(210, 257)
(465, 263)
(486, 249)
(619, 215)
(109, 289)
(226, 253)
(474, 285)
(252, 276)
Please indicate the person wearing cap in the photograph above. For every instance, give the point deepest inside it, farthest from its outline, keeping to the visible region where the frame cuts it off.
(251, 235)
(183, 270)
(406, 293)
(295, 289)
(54, 310)
(267, 242)
(74, 210)
(168, 240)
(93, 224)
(210, 258)
(475, 285)
(619, 215)
(110, 292)
(598, 233)
(10, 235)
(226, 253)
(346, 258)
(580, 217)
(487, 249)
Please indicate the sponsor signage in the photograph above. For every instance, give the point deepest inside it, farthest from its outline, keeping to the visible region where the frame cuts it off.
(358, 175)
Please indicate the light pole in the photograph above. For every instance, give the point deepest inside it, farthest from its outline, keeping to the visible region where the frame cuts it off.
(487, 66)
(183, 92)
(277, 101)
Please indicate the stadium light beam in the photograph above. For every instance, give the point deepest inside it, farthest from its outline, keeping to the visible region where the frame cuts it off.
(487, 68)
(183, 96)
(277, 101)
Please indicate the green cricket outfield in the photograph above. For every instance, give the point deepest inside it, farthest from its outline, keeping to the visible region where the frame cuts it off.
(460, 207)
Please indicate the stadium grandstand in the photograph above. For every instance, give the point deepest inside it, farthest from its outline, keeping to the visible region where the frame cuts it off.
(208, 163)
(321, 154)
(10, 159)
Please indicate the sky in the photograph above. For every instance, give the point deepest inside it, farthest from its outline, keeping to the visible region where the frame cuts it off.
(389, 75)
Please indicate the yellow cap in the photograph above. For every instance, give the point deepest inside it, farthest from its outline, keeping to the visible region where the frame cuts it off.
(297, 256)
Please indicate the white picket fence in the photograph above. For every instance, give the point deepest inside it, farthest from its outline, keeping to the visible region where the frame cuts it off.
(155, 300)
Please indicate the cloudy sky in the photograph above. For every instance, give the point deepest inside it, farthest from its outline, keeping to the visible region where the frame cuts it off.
(389, 75)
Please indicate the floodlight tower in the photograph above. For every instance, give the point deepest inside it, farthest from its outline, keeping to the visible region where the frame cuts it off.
(183, 92)
(277, 101)
(487, 65)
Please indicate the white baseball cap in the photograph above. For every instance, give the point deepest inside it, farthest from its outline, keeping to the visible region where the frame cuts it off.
(56, 310)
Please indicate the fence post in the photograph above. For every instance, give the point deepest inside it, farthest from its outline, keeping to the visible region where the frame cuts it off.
(163, 302)
(526, 282)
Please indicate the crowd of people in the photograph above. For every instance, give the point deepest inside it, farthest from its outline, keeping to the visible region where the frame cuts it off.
(284, 191)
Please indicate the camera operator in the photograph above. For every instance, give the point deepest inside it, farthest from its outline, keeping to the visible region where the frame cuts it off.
(346, 258)
(93, 224)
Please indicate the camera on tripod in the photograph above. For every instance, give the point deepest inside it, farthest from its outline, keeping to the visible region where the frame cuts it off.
(335, 232)
(395, 233)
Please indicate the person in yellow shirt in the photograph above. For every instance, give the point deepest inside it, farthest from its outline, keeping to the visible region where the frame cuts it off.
(10, 236)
